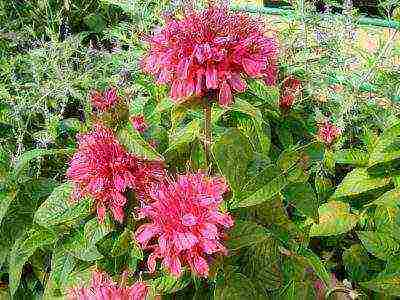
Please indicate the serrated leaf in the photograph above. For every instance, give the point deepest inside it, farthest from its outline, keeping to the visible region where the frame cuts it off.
(58, 208)
(315, 262)
(334, 218)
(23, 249)
(351, 157)
(358, 182)
(233, 154)
(356, 262)
(386, 284)
(268, 191)
(236, 286)
(261, 264)
(380, 154)
(246, 233)
(380, 244)
(134, 143)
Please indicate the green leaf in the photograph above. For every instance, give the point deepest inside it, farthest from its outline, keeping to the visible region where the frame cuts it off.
(82, 244)
(386, 139)
(358, 182)
(261, 264)
(356, 262)
(351, 157)
(246, 233)
(233, 154)
(23, 249)
(388, 199)
(266, 93)
(95, 22)
(121, 245)
(58, 209)
(381, 245)
(334, 218)
(184, 135)
(168, 284)
(315, 262)
(26, 157)
(267, 192)
(243, 106)
(386, 284)
(5, 201)
(134, 143)
(302, 196)
(236, 286)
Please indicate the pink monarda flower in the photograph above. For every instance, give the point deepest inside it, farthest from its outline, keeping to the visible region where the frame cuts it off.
(186, 226)
(327, 132)
(102, 287)
(104, 101)
(139, 123)
(103, 169)
(213, 49)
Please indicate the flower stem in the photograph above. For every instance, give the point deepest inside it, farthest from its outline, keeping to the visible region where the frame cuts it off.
(207, 135)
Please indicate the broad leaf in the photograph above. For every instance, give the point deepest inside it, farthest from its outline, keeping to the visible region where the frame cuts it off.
(233, 154)
(358, 182)
(302, 196)
(389, 199)
(168, 284)
(59, 209)
(23, 249)
(334, 218)
(184, 135)
(246, 233)
(380, 244)
(352, 157)
(267, 94)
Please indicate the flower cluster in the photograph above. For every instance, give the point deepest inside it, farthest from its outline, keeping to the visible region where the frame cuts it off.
(186, 225)
(102, 287)
(327, 132)
(290, 88)
(104, 101)
(211, 50)
(103, 169)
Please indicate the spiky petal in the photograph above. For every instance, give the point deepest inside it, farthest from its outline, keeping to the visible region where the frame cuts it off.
(104, 101)
(213, 49)
(327, 132)
(186, 226)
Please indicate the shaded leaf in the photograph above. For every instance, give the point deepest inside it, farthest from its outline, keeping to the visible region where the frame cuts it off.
(302, 196)
(380, 244)
(387, 284)
(5, 201)
(246, 233)
(23, 249)
(334, 218)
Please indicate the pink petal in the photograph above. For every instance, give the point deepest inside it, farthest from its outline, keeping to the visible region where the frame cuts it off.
(119, 183)
(118, 199)
(222, 219)
(146, 232)
(173, 264)
(225, 95)
(199, 82)
(209, 231)
(183, 68)
(209, 246)
(118, 213)
(253, 68)
(211, 77)
(152, 261)
(237, 83)
(189, 220)
(185, 240)
(200, 266)
(101, 213)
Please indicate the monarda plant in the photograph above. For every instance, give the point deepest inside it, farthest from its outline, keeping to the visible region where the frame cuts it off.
(206, 177)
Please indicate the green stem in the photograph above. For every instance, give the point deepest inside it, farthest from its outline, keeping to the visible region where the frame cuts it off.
(207, 134)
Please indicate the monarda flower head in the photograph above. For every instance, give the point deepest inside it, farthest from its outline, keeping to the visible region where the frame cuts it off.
(102, 287)
(186, 226)
(103, 169)
(211, 50)
(327, 132)
(139, 123)
(104, 101)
